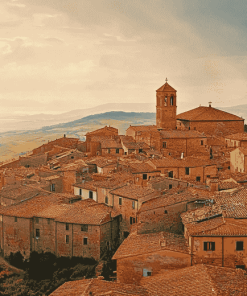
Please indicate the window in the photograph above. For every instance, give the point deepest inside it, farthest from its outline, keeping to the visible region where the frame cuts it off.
(140, 150)
(201, 142)
(187, 171)
(80, 191)
(37, 233)
(15, 219)
(37, 220)
(209, 246)
(144, 176)
(198, 179)
(166, 212)
(133, 204)
(208, 176)
(106, 200)
(120, 201)
(48, 221)
(117, 150)
(67, 226)
(52, 187)
(240, 266)
(84, 227)
(67, 239)
(108, 150)
(229, 168)
(91, 194)
(164, 144)
(170, 174)
(132, 220)
(146, 272)
(239, 246)
(85, 241)
(170, 186)
(165, 101)
(171, 101)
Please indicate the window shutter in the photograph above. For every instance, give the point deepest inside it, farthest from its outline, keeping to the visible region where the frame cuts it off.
(205, 246)
(213, 246)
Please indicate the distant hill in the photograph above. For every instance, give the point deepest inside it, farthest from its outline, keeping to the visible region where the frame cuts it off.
(14, 143)
(239, 110)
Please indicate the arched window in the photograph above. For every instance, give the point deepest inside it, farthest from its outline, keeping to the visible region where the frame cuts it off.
(171, 100)
(165, 101)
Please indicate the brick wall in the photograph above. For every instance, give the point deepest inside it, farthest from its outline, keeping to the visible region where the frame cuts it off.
(16, 236)
(221, 128)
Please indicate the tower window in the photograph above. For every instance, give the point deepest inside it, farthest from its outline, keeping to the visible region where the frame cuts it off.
(201, 142)
(165, 101)
(171, 101)
(106, 200)
(164, 144)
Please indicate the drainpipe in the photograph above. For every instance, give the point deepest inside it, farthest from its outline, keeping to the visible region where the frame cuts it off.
(222, 251)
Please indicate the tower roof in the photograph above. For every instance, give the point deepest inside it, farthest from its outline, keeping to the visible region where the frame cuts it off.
(166, 87)
(207, 113)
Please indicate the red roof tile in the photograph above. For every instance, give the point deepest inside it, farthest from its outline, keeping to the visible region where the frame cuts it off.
(206, 114)
(174, 134)
(138, 244)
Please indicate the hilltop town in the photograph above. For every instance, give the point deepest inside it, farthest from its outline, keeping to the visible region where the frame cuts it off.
(165, 204)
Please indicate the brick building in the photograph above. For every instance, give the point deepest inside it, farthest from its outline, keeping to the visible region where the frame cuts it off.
(236, 140)
(143, 255)
(211, 121)
(51, 223)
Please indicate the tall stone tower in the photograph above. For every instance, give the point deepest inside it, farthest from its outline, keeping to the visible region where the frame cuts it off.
(166, 107)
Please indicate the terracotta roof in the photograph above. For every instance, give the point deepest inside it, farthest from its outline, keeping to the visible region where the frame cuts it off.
(197, 280)
(19, 192)
(106, 144)
(98, 287)
(143, 128)
(169, 199)
(238, 137)
(142, 167)
(106, 128)
(206, 114)
(166, 87)
(138, 244)
(243, 150)
(218, 227)
(90, 185)
(169, 162)
(84, 213)
(135, 145)
(134, 191)
(174, 134)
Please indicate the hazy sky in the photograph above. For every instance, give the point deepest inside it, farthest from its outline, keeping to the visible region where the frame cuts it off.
(61, 55)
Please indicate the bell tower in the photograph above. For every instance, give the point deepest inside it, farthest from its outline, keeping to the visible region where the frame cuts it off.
(166, 107)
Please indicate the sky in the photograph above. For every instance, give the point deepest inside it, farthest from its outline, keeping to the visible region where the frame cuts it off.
(62, 55)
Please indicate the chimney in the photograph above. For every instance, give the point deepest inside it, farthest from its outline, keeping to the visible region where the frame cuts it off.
(64, 136)
(210, 104)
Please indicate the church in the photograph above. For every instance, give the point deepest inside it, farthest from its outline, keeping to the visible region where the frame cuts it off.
(186, 133)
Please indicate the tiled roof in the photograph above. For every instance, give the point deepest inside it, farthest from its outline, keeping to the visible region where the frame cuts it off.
(238, 137)
(90, 185)
(79, 213)
(207, 113)
(174, 134)
(134, 191)
(169, 199)
(142, 167)
(98, 287)
(169, 162)
(143, 128)
(135, 145)
(198, 280)
(138, 244)
(106, 144)
(103, 129)
(243, 150)
(19, 192)
(166, 87)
